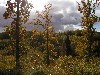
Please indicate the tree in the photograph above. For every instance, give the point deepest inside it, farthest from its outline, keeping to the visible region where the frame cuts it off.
(68, 46)
(89, 18)
(44, 19)
(19, 16)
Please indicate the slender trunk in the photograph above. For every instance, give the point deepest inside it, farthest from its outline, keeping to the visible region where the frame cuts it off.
(48, 61)
(89, 31)
(17, 38)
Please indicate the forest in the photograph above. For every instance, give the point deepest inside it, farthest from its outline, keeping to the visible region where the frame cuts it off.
(47, 52)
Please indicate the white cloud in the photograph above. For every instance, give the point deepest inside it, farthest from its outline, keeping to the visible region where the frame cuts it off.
(72, 27)
(68, 27)
(2, 3)
(77, 27)
(60, 12)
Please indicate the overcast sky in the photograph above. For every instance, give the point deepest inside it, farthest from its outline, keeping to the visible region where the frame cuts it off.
(65, 14)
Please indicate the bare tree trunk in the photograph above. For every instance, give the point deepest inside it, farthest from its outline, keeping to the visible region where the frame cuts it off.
(17, 38)
(48, 61)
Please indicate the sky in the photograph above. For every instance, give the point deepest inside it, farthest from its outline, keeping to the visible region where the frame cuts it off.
(65, 15)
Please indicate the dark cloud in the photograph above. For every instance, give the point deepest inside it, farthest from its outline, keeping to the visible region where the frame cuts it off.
(71, 18)
(57, 19)
(65, 13)
(3, 22)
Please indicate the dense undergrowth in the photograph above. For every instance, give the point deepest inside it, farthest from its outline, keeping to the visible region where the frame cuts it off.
(33, 63)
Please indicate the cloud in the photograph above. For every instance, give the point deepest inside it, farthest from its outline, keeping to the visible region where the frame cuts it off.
(3, 22)
(65, 13)
(72, 27)
(2, 3)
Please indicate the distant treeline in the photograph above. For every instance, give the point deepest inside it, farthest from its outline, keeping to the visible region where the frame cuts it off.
(39, 39)
(4, 35)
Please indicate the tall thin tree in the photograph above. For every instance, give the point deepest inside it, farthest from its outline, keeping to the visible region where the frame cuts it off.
(46, 24)
(88, 9)
(19, 16)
